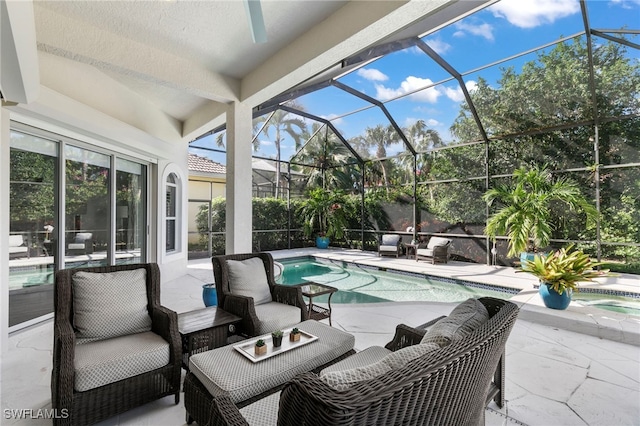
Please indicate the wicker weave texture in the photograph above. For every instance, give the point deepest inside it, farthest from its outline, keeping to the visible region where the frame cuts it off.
(450, 386)
(243, 306)
(98, 404)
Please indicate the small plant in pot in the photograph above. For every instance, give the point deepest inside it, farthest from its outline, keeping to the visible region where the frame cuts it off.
(323, 212)
(294, 336)
(261, 347)
(276, 337)
(560, 272)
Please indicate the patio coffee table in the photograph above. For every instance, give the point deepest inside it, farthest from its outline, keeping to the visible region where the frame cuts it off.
(224, 371)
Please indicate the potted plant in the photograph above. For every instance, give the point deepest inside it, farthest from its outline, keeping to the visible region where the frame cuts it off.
(260, 348)
(294, 336)
(525, 215)
(322, 212)
(559, 274)
(276, 337)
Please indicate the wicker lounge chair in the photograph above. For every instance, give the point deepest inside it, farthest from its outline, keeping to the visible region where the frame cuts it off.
(390, 245)
(115, 347)
(263, 306)
(437, 250)
(448, 386)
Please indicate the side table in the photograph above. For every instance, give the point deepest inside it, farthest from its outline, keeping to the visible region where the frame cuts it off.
(411, 250)
(204, 329)
(312, 290)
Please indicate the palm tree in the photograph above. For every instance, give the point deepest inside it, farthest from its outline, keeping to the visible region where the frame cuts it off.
(323, 153)
(525, 216)
(380, 137)
(283, 123)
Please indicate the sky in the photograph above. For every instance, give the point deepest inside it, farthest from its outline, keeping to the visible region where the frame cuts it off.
(500, 31)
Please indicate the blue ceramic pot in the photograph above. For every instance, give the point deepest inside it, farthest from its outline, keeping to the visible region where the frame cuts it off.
(552, 299)
(322, 242)
(209, 295)
(525, 257)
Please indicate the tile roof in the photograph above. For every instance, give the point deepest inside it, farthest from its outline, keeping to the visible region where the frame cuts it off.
(204, 165)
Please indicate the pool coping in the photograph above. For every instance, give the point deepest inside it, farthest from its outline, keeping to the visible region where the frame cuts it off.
(581, 319)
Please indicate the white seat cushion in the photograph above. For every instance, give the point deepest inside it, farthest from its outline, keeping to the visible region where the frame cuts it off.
(276, 316)
(389, 248)
(365, 357)
(108, 361)
(425, 252)
(249, 278)
(464, 318)
(107, 305)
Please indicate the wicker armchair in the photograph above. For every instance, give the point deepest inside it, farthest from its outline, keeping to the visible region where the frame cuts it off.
(255, 320)
(390, 245)
(437, 250)
(92, 405)
(450, 386)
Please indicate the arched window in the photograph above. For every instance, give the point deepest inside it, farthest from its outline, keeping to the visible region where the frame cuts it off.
(171, 216)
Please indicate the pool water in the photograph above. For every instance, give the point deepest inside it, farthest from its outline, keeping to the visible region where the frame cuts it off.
(359, 285)
(620, 304)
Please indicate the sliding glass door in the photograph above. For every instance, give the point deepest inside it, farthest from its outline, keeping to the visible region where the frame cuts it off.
(96, 199)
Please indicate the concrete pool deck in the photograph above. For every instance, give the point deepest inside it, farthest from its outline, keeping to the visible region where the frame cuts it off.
(555, 376)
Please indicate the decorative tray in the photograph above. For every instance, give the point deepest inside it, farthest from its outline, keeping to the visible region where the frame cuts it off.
(246, 348)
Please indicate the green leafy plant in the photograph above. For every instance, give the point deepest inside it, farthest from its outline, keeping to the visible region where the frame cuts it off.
(260, 343)
(295, 330)
(277, 333)
(323, 211)
(564, 268)
(526, 215)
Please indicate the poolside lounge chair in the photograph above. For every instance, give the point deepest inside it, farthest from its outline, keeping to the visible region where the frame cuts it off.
(390, 245)
(444, 376)
(82, 243)
(437, 250)
(17, 247)
(246, 287)
(115, 347)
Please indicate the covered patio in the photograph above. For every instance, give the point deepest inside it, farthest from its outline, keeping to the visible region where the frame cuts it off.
(102, 102)
(579, 367)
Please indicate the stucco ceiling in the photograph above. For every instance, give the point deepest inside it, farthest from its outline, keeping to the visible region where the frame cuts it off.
(183, 61)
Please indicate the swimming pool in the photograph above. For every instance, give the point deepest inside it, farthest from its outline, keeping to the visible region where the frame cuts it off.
(609, 302)
(357, 284)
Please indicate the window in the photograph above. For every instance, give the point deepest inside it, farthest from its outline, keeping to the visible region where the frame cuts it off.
(171, 212)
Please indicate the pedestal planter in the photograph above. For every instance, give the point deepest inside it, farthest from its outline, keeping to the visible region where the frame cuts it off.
(552, 299)
(322, 242)
(209, 295)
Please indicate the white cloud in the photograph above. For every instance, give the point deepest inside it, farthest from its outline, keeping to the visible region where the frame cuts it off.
(532, 13)
(438, 45)
(455, 93)
(332, 118)
(410, 84)
(626, 4)
(430, 122)
(372, 74)
(483, 30)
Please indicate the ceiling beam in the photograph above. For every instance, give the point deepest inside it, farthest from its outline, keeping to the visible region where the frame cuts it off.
(19, 72)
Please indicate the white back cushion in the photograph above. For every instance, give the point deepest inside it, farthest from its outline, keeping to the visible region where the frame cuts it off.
(437, 241)
(107, 305)
(249, 278)
(461, 322)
